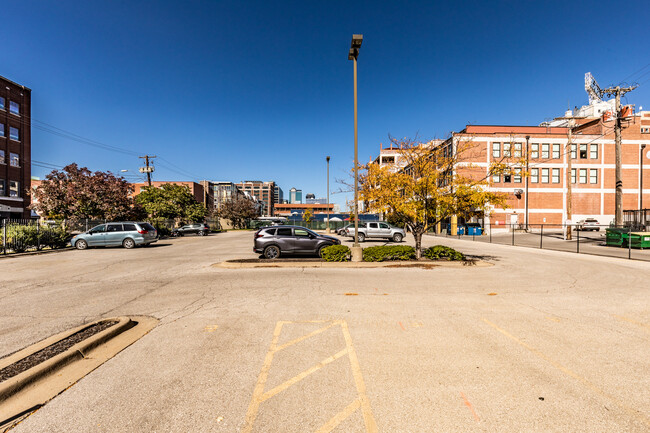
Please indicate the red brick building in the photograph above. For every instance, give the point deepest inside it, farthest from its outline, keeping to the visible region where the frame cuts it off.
(15, 150)
(592, 173)
(285, 210)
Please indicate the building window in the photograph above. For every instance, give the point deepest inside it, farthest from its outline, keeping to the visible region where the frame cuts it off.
(583, 175)
(517, 175)
(517, 153)
(506, 150)
(507, 177)
(545, 174)
(645, 130)
(583, 151)
(496, 150)
(534, 175)
(2, 103)
(14, 188)
(496, 178)
(556, 151)
(545, 154)
(555, 175)
(593, 175)
(593, 151)
(2, 129)
(14, 108)
(14, 160)
(534, 150)
(2, 188)
(574, 151)
(2, 157)
(13, 133)
(573, 175)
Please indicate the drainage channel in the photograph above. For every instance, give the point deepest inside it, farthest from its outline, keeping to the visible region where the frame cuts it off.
(31, 377)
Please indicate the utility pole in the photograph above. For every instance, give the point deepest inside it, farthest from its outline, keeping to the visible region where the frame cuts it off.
(618, 91)
(569, 154)
(147, 168)
(527, 176)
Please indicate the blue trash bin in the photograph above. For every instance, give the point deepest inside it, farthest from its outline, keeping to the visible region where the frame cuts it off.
(461, 230)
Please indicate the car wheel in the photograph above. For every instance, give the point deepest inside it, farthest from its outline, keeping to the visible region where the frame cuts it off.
(128, 243)
(201, 233)
(320, 250)
(271, 252)
(397, 237)
(361, 237)
(81, 244)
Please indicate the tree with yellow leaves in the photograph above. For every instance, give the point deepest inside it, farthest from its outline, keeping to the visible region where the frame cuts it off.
(434, 182)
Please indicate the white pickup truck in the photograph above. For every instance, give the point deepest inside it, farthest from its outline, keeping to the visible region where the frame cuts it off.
(376, 230)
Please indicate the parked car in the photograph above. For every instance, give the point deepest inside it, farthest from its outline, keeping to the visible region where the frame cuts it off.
(128, 234)
(341, 231)
(588, 224)
(274, 241)
(376, 230)
(199, 229)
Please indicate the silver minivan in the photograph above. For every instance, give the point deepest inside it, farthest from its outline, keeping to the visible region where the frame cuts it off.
(127, 234)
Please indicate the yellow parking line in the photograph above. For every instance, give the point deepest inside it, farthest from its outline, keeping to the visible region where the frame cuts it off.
(302, 375)
(251, 414)
(567, 371)
(369, 420)
(304, 337)
(339, 417)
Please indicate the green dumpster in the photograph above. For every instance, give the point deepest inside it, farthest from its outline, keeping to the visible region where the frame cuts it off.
(640, 240)
(615, 237)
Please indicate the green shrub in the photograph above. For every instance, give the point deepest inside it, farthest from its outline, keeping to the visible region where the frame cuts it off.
(438, 252)
(54, 236)
(20, 238)
(388, 252)
(336, 253)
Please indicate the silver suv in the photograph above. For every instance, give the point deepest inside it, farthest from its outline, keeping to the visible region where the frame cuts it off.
(128, 234)
(377, 230)
(277, 240)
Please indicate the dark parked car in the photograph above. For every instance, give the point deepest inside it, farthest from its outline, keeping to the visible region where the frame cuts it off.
(275, 241)
(199, 229)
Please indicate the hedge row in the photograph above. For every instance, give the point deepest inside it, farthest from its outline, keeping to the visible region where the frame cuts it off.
(341, 253)
(21, 238)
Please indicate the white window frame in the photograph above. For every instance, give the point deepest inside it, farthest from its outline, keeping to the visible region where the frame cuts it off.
(574, 173)
(516, 177)
(506, 150)
(534, 150)
(534, 175)
(496, 178)
(545, 175)
(593, 151)
(496, 150)
(556, 151)
(546, 150)
(583, 175)
(574, 151)
(517, 150)
(593, 176)
(555, 175)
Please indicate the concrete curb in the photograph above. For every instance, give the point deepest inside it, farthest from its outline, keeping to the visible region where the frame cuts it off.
(229, 264)
(36, 253)
(32, 388)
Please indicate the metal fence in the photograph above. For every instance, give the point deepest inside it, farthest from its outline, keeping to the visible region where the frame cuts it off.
(602, 240)
(19, 236)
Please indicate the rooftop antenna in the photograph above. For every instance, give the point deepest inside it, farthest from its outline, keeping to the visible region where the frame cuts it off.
(593, 90)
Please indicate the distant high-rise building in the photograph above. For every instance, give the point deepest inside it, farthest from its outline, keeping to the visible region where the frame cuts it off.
(279, 194)
(295, 196)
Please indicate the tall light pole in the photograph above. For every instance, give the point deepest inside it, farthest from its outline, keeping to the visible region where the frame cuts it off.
(527, 175)
(328, 231)
(641, 182)
(353, 55)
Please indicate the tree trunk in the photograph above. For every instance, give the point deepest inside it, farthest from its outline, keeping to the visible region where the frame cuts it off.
(417, 234)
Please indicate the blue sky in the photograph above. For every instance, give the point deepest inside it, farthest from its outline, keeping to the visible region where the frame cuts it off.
(235, 90)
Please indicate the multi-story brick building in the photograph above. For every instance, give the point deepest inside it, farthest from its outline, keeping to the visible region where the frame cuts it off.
(286, 210)
(263, 191)
(592, 175)
(15, 150)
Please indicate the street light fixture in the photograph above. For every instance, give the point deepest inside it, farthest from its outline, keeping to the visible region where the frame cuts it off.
(353, 54)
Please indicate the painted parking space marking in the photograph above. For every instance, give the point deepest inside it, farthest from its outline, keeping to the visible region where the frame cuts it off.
(361, 402)
(634, 413)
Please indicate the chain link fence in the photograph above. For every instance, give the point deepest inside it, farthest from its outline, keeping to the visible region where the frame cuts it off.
(632, 242)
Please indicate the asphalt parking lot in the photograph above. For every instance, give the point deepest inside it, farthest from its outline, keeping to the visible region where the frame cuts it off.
(539, 341)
